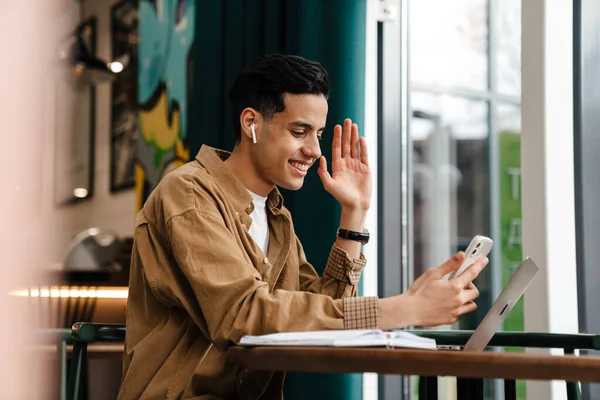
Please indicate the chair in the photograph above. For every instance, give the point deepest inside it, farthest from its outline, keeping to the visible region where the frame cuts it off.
(55, 308)
(82, 334)
(473, 388)
(61, 338)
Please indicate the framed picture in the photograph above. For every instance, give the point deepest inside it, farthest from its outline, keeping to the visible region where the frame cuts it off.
(75, 113)
(124, 110)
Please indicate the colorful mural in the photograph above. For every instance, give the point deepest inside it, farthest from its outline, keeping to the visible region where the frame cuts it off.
(166, 34)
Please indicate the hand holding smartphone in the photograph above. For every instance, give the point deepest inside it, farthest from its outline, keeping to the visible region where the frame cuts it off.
(479, 247)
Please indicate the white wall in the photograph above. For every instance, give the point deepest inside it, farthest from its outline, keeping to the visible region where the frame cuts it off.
(547, 165)
(370, 380)
(111, 211)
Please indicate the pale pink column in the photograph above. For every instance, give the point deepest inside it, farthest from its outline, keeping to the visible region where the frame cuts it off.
(26, 39)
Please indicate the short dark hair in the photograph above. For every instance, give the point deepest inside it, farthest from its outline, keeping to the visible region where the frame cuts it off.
(264, 83)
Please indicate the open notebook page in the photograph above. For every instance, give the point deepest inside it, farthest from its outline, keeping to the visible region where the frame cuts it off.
(341, 338)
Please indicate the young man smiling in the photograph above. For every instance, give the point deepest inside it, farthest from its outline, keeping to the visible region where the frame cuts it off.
(216, 257)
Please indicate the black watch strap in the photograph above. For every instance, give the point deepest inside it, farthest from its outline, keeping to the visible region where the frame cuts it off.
(362, 237)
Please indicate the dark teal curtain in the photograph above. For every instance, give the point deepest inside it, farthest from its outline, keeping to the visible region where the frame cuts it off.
(229, 34)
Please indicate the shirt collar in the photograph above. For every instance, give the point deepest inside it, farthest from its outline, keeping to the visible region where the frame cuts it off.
(213, 160)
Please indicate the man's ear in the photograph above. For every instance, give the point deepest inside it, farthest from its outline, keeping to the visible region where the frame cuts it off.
(248, 117)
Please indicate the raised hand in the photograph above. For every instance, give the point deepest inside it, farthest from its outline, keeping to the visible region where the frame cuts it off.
(350, 180)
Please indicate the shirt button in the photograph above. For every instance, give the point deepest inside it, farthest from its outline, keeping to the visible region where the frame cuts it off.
(266, 260)
(237, 214)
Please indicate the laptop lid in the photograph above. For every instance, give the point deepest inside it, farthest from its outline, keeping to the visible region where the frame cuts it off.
(502, 306)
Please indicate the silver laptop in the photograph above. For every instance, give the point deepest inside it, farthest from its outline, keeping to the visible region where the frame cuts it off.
(502, 306)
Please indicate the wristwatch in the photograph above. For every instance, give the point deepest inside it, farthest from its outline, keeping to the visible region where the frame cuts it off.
(362, 237)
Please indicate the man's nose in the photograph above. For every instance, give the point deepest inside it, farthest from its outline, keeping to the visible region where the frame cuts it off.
(312, 148)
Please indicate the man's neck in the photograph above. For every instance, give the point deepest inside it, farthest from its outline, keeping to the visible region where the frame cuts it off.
(240, 162)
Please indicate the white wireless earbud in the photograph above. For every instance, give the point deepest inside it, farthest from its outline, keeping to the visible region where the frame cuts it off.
(253, 133)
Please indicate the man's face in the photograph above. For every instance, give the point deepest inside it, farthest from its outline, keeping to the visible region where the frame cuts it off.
(288, 143)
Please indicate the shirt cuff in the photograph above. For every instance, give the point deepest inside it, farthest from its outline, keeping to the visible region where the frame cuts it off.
(361, 313)
(341, 267)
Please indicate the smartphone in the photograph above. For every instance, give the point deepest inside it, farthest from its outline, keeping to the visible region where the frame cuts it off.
(479, 247)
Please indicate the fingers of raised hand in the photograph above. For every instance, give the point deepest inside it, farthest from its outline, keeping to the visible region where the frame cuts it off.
(354, 150)
(347, 138)
(364, 154)
(336, 146)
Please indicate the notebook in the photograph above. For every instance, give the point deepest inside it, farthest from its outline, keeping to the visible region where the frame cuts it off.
(342, 338)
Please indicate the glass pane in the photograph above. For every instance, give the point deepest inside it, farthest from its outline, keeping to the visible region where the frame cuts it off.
(448, 43)
(508, 51)
(451, 183)
(510, 247)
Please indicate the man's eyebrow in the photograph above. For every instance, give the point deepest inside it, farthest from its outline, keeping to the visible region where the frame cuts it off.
(303, 124)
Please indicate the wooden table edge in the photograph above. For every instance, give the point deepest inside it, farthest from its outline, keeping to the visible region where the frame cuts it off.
(465, 364)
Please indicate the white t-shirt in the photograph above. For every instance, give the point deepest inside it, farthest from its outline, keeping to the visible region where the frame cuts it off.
(259, 229)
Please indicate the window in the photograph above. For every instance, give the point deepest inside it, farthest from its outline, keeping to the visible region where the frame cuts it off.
(449, 43)
(450, 175)
(465, 124)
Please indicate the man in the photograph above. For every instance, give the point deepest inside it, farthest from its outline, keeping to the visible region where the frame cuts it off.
(216, 257)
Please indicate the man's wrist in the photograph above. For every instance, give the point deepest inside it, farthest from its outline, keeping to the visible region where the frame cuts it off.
(353, 219)
(397, 312)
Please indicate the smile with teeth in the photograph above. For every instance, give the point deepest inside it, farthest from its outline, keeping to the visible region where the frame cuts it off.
(300, 166)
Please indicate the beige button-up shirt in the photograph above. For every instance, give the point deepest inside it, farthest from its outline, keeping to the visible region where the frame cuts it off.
(198, 283)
